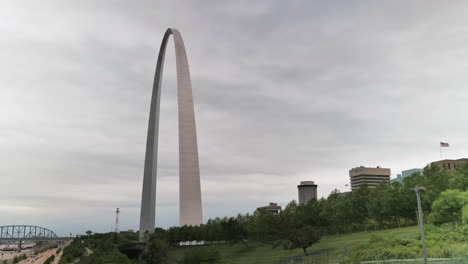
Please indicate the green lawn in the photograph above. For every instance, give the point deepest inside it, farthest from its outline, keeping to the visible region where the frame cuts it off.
(261, 253)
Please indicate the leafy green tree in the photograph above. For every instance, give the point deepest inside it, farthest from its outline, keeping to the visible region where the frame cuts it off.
(448, 207)
(359, 202)
(465, 214)
(234, 232)
(459, 179)
(335, 211)
(156, 250)
(292, 231)
(302, 237)
(264, 226)
(435, 180)
(377, 203)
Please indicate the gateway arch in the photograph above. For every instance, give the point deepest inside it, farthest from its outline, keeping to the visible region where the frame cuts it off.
(190, 205)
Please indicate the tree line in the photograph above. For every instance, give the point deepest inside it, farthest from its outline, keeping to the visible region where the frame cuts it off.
(388, 205)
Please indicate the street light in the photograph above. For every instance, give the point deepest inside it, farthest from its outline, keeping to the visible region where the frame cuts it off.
(418, 190)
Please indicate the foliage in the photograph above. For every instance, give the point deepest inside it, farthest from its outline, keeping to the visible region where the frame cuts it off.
(73, 251)
(199, 255)
(448, 207)
(44, 249)
(156, 249)
(465, 214)
(233, 231)
(17, 259)
(442, 242)
(49, 259)
(459, 178)
(293, 230)
(300, 226)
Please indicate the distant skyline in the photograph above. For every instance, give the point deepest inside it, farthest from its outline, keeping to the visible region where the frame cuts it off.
(284, 92)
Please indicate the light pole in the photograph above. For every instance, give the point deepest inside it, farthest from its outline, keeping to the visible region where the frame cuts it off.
(418, 190)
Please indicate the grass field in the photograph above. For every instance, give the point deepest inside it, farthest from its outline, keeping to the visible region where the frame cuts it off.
(261, 253)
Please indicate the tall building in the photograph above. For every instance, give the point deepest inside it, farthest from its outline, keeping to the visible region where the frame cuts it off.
(406, 173)
(274, 208)
(450, 164)
(307, 191)
(370, 176)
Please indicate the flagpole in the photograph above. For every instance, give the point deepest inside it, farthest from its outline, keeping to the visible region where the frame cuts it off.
(440, 148)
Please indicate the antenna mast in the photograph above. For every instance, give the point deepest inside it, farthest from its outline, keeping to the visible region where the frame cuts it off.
(117, 220)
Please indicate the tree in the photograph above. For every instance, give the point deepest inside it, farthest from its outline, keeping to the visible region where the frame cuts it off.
(303, 237)
(448, 207)
(459, 179)
(292, 231)
(264, 226)
(156, 250)
(234, 232)
(359, 202)
(436, 180)
(331, 212)
(465, 214)
(376, 204)
(89, 232)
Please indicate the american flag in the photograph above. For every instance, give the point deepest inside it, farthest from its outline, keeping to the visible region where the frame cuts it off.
(444, 145)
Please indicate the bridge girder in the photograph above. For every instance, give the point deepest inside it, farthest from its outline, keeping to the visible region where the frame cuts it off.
(27, 233)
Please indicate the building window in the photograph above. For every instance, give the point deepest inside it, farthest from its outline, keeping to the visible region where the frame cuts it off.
(448, 166)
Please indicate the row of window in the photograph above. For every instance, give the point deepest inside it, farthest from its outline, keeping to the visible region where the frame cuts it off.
(448, 166)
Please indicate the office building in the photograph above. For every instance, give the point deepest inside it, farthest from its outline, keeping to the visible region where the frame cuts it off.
(274, 208)
(406, 173)
(369, 176)
(449, 164)
(307, 190)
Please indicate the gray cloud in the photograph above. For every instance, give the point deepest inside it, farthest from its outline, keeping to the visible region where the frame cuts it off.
(284, 91)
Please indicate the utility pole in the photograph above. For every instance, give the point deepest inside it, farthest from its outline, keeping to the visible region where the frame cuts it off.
(117, 220)
(418, 191)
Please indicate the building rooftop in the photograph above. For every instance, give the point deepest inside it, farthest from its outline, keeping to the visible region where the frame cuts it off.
(463, 159)
(369, 171)
(307, 183)
(271, 206)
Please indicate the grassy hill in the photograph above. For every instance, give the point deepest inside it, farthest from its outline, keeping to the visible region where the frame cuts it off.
(261, 253)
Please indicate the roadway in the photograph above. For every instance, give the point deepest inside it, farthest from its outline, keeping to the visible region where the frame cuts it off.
(39, 259)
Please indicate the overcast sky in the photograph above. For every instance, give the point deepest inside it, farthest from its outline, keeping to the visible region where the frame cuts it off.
(284, 91)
